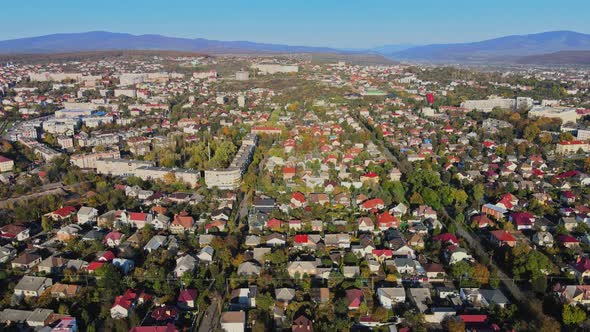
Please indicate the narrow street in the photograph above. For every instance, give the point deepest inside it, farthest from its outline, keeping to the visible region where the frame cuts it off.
(210, 317)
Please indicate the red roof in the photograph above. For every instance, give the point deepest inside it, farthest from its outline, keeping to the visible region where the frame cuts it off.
(301, 238)
(129, 298)
(373, 203)
(567, 239)
(474, 318)
(567, 174)
(298, 197)
(274, 222)
(371, 175)
(187, 295)
(571, 142)
(65, 211)
(164, 313)
(568, 194)
(522, 218)
(446, 238)
(289, 170)
(107, 256)
(502, 235)
(93, 266)
(113, 236)
(4, 159)
(383, 252)
(138, 216)
(354, 296)
(386, 219)
(582, 264)
(184, 221)
(168, 328)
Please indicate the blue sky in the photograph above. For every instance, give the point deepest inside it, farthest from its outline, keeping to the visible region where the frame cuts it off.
(342, 23)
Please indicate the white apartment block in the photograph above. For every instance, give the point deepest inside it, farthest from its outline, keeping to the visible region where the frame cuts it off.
(271, 68)
(73, 112)
(231, 177)
(131, 93)
(566, 114)
(120, 167)
(89, 160)
(103, 139)
(65, 142)
(145, 170)
(487, 105)
(571, 147)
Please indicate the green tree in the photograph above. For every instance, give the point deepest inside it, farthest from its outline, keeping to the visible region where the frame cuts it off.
(572, 315)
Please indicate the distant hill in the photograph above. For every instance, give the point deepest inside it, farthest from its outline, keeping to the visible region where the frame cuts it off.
(91, 55)
(390, 49)
(498, 49)
(104, 41)
(558, 58)
(509, 49)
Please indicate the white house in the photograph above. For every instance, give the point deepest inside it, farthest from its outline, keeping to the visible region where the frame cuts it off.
(87, 215)
(206, 254)
(185, 264)
(388, 296)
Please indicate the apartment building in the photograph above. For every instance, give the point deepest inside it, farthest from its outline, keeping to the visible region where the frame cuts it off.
(89, 160)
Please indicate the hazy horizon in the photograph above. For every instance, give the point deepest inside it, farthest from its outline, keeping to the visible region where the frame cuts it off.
(337, 24)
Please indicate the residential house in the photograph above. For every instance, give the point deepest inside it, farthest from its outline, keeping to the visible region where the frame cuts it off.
(62, 213)
(355, 298)
(389, 296)
(87, 215)
(125, 303)
(31, 286)
(184, 264)
(182, 223)
(206, 254)
(113, 239)
(302, 324)
(26, 261)
(18, 232)
(543, 239)
(302, 268)
(125, 265)
(421, 298)
(233, 321)
(139, 219)
(187, 299)
(68, 232)
(502, 238)
(65, 291)
(249, 269)
(244, 298)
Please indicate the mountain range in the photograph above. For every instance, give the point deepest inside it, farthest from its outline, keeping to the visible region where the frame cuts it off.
(499, 49)
(104, 41)
(554, 47)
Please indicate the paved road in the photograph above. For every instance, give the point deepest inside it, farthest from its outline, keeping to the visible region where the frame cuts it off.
(476, 245)
(210, 317)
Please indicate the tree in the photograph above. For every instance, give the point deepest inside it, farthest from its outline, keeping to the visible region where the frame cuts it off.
(481, 274)
(531, 132)
(264, 301)
(455, 325)
(380, 314)
(46, 224)
(572, 315)
(169, 178)
(416, 199)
